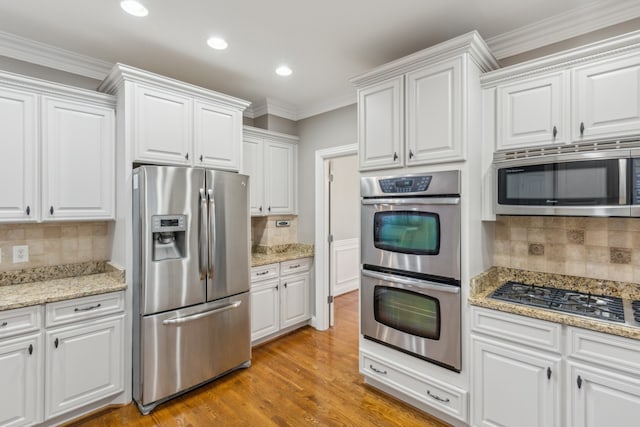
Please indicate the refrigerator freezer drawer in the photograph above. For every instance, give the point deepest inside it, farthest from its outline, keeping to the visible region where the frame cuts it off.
(184, 348)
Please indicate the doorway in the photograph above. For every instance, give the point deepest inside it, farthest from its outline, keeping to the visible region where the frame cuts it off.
(337, 259)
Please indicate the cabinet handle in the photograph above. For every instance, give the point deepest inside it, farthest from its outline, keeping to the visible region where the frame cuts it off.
(411, 154)
(200, 157)
(93, 307)
(438, 398)
(28, 211)
(56, 342)
(30, 349)
(395, 156)
(581, 128)
(548, 373)
(378, 371)
(285, 285)
(262, 273)
(260, 208)
(294, 266)
(186, 156)
(3, 324)
(269, 208)
(276, 287)
(579, 381)
(51, 210)
(555, 131)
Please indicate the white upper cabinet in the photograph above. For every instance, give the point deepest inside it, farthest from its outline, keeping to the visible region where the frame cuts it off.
(163, 126)
(270, 159)
(218, 136)
(169, 122)
(18, 156)
(78, 152)
(533, 112)
(380, 125)
(606, 99)
(434, 114)
(417, 110)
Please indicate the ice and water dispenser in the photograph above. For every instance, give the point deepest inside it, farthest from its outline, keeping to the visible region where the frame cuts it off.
(169, 240)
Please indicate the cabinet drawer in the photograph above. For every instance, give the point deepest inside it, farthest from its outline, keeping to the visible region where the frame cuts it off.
(609, 350)
(523, 330)
(264, 272)
(20, 320)
(295, 266)
(60, 313)
(448, 399)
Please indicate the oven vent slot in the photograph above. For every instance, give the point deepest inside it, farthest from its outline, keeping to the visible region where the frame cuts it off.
(552, 150)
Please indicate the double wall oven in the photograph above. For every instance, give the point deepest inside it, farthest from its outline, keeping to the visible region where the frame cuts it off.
(410, 288)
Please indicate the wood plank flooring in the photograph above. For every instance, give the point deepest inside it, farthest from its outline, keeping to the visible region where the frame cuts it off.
(305, 378)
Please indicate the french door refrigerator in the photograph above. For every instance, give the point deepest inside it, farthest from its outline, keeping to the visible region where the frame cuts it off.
(190, 281)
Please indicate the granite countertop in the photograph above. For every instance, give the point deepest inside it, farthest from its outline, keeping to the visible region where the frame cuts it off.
(485, 283)
(46, 285)
(263, 255)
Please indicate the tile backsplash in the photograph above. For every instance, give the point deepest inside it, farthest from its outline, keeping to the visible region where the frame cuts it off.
(55, 243)
(600, 248)
(265, 233)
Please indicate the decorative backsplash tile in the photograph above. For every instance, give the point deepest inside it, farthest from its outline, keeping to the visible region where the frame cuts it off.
(600, 248)
(265, 233)
(55, 243)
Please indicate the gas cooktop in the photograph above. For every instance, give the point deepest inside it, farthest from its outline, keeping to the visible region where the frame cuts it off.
(612, 309)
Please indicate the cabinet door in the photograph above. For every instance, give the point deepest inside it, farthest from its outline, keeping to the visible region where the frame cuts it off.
(606, 99)
(434, 114)
(514, 386)
(280, 173)
(18, 156)
(533, 112)
(294, 300)
(78, 167)
(265, 306)
(218, 136)
(84, 364)
(380, 125)
(163, 126)
(21, 373)
(253, 165)
(600, 398)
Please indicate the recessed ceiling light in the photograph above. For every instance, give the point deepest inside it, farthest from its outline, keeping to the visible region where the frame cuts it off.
(217, 43)
(134, 8)
(284, 71)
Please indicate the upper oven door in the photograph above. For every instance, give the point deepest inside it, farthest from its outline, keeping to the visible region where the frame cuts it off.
(420, 235)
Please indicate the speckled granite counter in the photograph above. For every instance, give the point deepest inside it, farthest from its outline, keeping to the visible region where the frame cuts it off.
(485, 283)
(263, 255)
(49, 284)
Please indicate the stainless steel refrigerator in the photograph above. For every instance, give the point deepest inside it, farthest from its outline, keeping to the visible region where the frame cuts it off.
(190, 280)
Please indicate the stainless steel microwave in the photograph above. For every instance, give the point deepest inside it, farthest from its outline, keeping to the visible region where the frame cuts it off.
(593, 183)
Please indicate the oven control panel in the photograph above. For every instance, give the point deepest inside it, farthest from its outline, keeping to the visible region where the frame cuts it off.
(412, 184)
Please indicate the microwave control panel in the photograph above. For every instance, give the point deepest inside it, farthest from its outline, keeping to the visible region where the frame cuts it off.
(414, 184)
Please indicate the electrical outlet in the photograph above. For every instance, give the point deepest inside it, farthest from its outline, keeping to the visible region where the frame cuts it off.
(20, 253)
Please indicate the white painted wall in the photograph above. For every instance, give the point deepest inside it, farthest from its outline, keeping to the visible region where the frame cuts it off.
(345, 209)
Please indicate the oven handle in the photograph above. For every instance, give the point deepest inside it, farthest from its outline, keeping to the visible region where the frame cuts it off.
(412, 201)
(424, 284)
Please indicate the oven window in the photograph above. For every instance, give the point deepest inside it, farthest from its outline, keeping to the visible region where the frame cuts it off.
(407, 232)
(407, 311)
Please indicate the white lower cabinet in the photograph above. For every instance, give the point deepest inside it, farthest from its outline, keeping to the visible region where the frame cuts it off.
(520, 365)
(73, 362)
(280, 297)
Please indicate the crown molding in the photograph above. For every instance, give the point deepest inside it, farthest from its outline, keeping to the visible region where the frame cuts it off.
(43, 54)
(274, 107)
(572, 23)
(326, 105)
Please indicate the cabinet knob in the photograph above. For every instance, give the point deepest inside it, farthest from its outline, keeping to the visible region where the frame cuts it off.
(411, 154)
(285, 284)
(186, 156)
(51, 210)
(395, 156)
(4, 324)
(28, 211)
(260, 208)
(579, 381)
(581, 128)
(276, 287)
(30, 349)
(555, 131)
(200, 157)
(56, 342)
(548, 373)
(269, 208)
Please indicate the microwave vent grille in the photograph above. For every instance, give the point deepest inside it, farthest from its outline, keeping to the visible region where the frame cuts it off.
(554, 150)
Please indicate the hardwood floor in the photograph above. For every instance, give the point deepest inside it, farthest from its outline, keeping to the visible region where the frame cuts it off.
(305, 378)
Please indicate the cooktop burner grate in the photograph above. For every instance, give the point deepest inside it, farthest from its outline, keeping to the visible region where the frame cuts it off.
(595, 306)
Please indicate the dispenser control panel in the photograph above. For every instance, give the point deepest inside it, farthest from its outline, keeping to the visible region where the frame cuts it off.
(168, 223)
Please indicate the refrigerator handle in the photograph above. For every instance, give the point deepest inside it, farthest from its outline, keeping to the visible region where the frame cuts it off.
(212, 232)
(202, 244)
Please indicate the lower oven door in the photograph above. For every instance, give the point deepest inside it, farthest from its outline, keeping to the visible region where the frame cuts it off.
(418, 317)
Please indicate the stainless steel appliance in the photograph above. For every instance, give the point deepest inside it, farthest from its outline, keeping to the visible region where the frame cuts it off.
(601, 307)
(410, 291)
(190, 280)
(582, 183)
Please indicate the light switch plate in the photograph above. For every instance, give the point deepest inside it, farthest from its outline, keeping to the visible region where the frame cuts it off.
(20, 253)
(282, 223)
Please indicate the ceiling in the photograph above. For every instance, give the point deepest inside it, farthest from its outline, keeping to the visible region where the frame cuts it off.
(324, 42)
